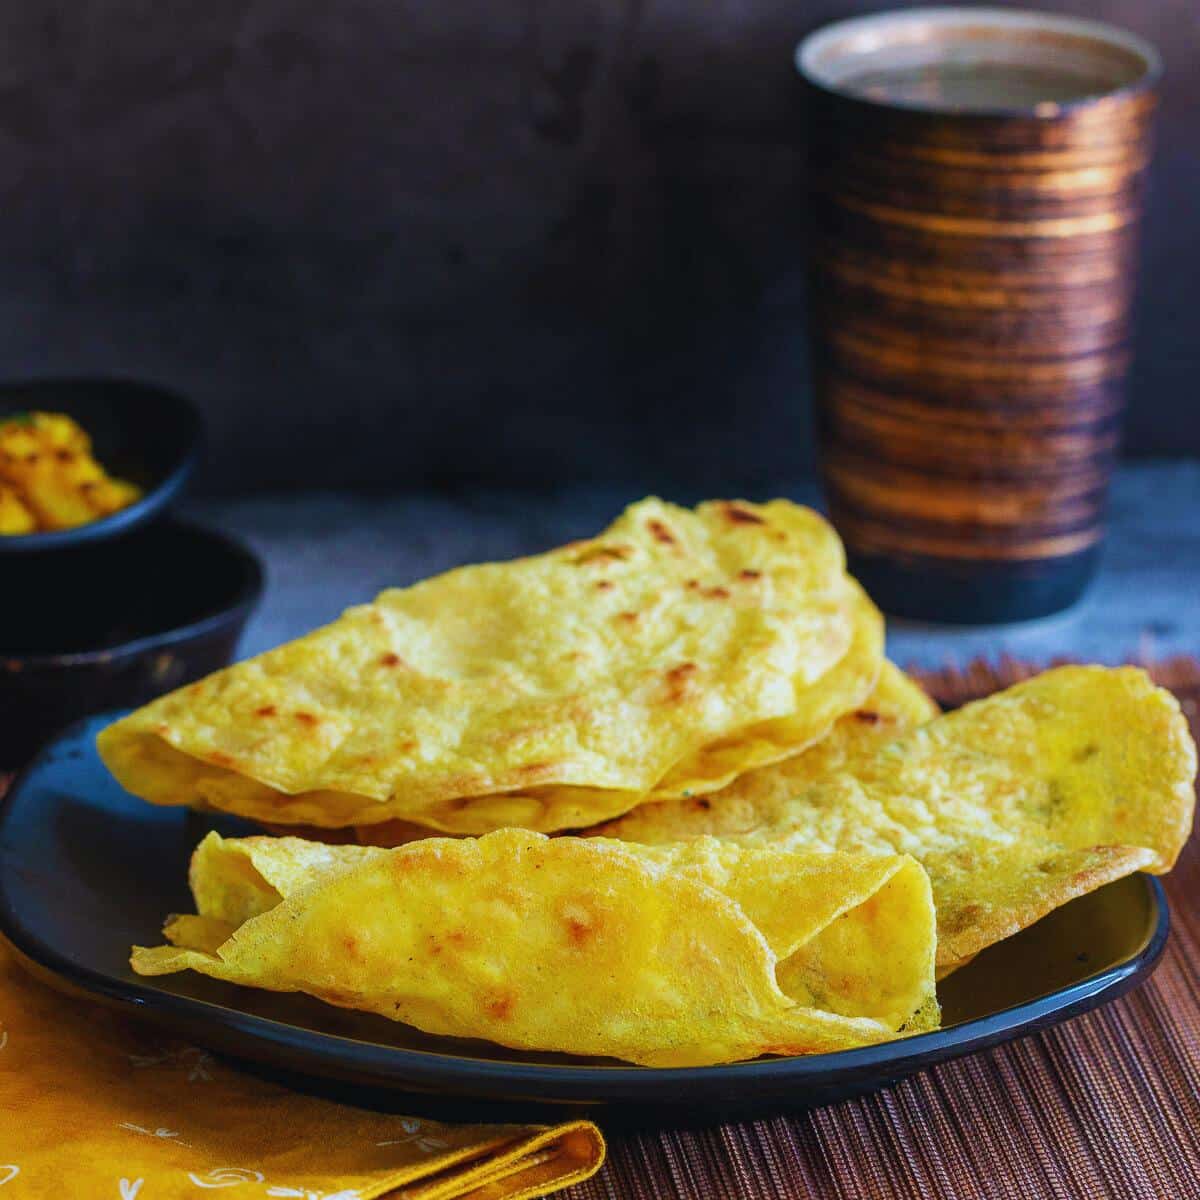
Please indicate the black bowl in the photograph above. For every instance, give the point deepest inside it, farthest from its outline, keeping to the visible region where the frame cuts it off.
(115, 623)
(145, 434)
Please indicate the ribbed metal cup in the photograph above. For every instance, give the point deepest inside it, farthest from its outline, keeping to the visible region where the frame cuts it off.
(972, 283)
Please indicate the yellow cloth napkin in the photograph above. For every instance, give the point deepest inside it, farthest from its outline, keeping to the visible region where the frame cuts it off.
(95, 1105)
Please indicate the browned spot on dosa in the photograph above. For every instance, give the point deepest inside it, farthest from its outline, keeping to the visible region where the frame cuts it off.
(428, 861)
(580, 925)
(500, 1005)
(536, 770)
(307, 719)
(679, 681)
(742, 516)
(661, 532)
(267, 710)
(602, 554)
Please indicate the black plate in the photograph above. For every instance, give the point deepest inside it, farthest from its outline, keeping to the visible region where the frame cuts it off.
(86, 870)
(113, 623)
(139, 432)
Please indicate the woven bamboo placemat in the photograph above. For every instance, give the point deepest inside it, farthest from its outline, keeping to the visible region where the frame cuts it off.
(1104, 1107)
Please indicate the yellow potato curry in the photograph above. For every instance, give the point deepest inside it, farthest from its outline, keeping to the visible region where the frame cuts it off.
(50, 480)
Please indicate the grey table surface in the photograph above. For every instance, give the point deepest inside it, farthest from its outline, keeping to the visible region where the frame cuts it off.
(326, 551)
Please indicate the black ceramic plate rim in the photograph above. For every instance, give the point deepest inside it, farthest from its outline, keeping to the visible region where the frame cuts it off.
(247, 596)
(134, 514)
(396, 1067)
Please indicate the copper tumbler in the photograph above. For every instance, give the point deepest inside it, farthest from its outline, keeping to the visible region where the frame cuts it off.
(978, 176)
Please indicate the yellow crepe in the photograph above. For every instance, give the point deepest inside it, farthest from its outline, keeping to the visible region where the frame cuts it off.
(896, 705)
(701, 953)
(670, 653)
(1014, 804)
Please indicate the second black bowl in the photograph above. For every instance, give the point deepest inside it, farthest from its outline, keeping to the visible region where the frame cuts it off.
(113, 624)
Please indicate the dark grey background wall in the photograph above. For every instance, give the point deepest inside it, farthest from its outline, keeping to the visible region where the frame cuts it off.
(388, 242)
